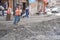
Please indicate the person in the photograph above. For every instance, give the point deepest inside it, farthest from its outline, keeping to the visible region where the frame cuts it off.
(27, 11)
(17, 15)
(8, 16)
(5, 5)
(2, 8)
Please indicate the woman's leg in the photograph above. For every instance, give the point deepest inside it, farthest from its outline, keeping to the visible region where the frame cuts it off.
(15, 20)
(18, 19)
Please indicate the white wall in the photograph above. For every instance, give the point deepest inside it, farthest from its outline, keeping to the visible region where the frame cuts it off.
(32, 10)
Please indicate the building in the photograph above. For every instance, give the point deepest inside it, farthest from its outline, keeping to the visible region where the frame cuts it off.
(32, 7)
(38, 6)
(54, 3)
(57, 3)
(12, 3)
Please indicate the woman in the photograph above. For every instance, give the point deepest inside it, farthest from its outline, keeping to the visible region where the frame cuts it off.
(17, 15)
(8, 17)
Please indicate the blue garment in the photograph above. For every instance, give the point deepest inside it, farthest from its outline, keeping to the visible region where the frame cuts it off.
(27, 12)
(4, 6)
(2, 12)
(17, 19)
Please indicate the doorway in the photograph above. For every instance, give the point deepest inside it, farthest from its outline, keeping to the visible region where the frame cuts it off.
(24, 5)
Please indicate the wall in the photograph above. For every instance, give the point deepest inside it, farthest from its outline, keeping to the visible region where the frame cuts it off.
(58, 3)
(16, 1)
(11, 3)
(33, 8)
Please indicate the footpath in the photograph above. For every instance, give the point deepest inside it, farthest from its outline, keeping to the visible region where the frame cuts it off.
(26, 21)
(39, 27)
